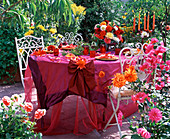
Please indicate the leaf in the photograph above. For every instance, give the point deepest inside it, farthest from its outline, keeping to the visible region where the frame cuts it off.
(135, 136)
(8, 136)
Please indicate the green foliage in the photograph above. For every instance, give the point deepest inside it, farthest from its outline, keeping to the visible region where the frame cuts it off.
(78, 13)
(8, 53)
(41, 12)
(96, 12)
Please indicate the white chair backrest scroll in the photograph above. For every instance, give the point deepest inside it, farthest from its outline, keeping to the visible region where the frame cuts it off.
(134, 57)
(70, 38)
(25, 46)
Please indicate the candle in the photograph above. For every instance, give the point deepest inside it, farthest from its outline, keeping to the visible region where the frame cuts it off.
(148, 22)
(153, 21)
(139, 22)
(134, 24)
(144, 21)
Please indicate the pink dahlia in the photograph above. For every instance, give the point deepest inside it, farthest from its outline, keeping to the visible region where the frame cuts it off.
(154, 40)
(155, 115)
(144, 133)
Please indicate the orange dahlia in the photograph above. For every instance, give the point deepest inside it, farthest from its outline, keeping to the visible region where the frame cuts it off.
(119, 80)
(81, 64)
(101, 74)
(130, 74)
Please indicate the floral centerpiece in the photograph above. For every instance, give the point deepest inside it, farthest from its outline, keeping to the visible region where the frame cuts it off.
(108, 32)
(15, 120)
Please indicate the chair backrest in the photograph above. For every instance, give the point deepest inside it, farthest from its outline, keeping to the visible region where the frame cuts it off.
(70, 38)
(134, 57)
(25, 46)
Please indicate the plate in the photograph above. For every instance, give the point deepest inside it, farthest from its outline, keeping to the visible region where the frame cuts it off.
(49, 52)
(106, 59)
(67, 48)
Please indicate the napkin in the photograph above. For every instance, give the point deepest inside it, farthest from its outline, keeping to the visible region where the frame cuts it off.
(83, 80)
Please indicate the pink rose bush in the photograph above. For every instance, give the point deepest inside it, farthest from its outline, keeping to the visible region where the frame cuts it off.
(152, 97)
(15, 120)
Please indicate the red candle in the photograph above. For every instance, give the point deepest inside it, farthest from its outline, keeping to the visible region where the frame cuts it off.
(139, 22)
(92, 54)
(148, 22)
(153, 21)
(102, 48)
(144, 21)
(134, 24)
(56, 52)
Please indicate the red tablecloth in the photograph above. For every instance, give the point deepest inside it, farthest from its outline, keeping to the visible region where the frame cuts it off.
(77, 115)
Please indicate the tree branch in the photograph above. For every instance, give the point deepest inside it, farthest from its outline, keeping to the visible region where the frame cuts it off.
(10, 7)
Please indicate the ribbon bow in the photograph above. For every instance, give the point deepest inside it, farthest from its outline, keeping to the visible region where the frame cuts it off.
(83, 80)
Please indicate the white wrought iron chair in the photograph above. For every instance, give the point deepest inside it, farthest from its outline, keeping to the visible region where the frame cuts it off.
(25, 46)
(70, 38)
(125, 93)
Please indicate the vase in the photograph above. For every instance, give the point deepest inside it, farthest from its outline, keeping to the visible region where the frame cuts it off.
(102, 48)
(117, 51)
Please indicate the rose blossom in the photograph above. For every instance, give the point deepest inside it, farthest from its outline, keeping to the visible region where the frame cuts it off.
(28, 107)
(155, 115)
(39, 113)
(6, 100)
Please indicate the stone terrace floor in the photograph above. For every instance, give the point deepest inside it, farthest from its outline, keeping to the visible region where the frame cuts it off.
(111, 133)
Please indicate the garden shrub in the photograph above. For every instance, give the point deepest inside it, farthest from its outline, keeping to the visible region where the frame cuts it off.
(97, 11)
(8, 53)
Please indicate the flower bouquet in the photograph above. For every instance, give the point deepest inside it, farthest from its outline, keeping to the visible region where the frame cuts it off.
(108, 33)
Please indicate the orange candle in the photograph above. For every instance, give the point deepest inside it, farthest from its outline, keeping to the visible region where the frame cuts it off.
(134, 24)
(139, 22)
(153, 21)
(148, 22)
(144, 21)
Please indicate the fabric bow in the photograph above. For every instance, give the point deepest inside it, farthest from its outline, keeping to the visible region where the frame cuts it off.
(83, 80)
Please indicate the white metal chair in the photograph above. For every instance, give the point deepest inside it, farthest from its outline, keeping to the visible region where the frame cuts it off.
(124, 93)
(25, 46)
(70, 38)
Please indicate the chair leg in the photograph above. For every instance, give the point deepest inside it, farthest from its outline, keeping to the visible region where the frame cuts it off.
(114, 114)
(118, 126)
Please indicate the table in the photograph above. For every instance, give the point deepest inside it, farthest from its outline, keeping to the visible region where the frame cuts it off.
(51, 78)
